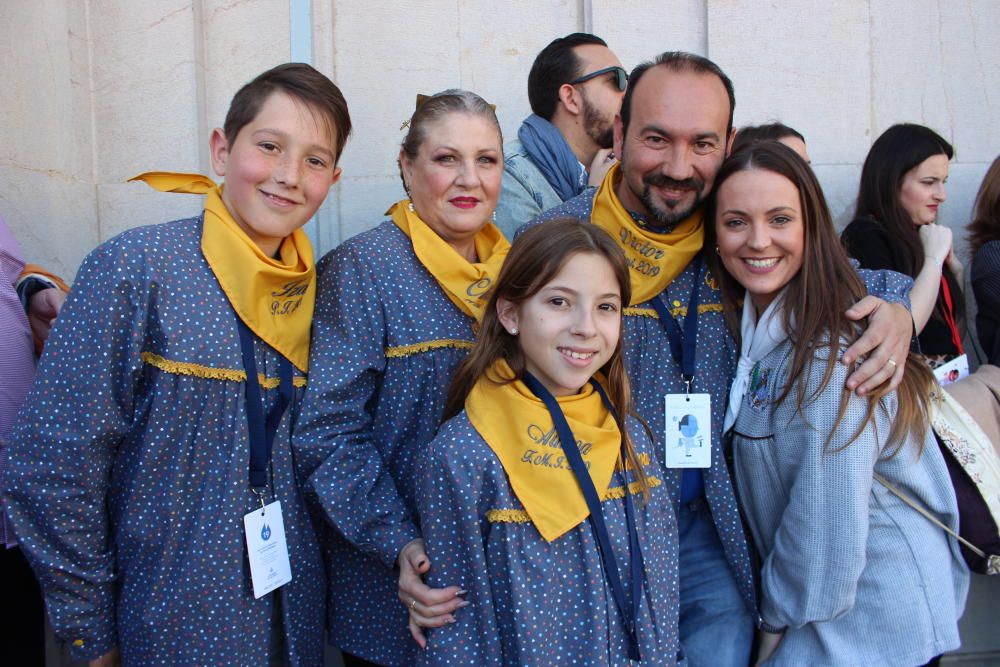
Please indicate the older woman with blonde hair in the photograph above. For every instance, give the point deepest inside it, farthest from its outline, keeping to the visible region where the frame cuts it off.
(396, 313)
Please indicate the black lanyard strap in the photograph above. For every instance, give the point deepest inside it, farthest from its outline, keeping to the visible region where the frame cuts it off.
(262, 431)
(568, 443)
(683, 344)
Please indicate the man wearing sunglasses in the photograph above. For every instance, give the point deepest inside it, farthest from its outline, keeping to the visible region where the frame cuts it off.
(575, 88)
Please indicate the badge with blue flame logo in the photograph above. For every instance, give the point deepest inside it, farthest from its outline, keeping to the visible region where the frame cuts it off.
(265, 532)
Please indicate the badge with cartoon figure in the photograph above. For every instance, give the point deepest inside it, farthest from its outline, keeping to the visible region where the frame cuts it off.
(688, 431)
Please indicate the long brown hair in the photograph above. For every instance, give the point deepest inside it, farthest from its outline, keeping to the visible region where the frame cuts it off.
(535, 258)
(985, 227)
(818, 296)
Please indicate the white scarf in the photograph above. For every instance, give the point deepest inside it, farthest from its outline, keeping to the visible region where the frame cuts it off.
(759, 338)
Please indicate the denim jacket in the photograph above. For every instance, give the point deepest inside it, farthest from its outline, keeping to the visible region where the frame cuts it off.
(525, 192)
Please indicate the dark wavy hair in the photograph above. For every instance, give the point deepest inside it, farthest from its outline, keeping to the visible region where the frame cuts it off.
(535, 258)
(818, 296)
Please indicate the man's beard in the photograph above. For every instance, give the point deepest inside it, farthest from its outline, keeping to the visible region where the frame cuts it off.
(599, 131)
(669, 217)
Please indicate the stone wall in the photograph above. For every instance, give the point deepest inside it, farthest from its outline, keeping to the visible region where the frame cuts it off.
(99, 90)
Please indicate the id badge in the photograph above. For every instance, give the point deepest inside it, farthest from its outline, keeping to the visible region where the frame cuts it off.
(688, 431)
(953, 371)
(267, 549)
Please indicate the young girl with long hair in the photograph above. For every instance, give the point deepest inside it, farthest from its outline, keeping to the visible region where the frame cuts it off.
(850, 574)
(568, 554)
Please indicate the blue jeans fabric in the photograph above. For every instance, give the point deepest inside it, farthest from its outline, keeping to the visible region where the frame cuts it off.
(716, 628)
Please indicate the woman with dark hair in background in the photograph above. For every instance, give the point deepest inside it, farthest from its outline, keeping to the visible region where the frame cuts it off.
(902, 187)
(984, 247)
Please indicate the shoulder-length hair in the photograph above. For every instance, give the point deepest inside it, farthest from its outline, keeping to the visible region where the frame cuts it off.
(535, 258)
(985, 226)
(818, 296)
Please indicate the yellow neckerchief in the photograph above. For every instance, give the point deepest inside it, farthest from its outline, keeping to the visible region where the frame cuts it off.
(654, 260)
(274, 298)
(519, 429)
(463, 282)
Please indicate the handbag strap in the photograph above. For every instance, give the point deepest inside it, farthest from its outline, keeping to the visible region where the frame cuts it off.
(930, 517)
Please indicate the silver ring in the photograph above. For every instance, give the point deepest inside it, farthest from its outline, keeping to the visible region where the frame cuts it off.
(413, 604)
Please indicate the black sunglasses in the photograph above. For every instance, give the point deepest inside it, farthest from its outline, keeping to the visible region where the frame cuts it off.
(621, 76)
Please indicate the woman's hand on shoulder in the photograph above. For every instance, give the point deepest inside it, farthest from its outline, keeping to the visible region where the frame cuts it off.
(428, 607)
(887, 338)
(936, 240)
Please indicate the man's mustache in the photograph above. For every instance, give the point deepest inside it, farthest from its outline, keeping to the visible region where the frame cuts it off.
(661, 181)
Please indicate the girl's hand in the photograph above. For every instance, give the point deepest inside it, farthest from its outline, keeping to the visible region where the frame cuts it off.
(109, 659)
(936, 241)
(767, 644)
(428, 607)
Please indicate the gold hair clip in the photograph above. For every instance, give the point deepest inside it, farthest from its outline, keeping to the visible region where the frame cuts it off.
(406, 124)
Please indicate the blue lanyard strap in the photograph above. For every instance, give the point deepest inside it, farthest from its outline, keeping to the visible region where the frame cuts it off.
(597, 525)
(683, 343)
(262, 431)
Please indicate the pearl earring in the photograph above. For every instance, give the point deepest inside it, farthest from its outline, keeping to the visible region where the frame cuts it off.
(410, 207)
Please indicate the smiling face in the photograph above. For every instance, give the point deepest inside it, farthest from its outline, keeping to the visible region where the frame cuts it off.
(675, 144)
(760, 231)
(278, 170)
(922, 190)
(569, 329)
(454, 181)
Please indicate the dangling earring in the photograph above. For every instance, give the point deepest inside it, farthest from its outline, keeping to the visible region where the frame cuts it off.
(717, 251)
(410, 207)
(494, 215)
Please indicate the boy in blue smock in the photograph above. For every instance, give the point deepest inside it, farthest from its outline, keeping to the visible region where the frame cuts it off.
(150, 477)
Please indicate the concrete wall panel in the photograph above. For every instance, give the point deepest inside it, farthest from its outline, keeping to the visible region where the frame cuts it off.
(936, 64)
(813, 76)
(52, 217)
(107, 88)
(638, 31)
(229, 59)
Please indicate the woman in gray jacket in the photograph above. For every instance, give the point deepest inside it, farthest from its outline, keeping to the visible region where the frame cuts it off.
(850, 574)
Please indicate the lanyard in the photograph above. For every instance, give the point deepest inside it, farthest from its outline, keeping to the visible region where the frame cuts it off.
(949, 315)
(600, 529)
(683, 343)
(262, 431)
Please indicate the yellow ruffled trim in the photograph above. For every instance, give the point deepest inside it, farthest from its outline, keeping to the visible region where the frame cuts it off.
(613, 493)
(643, 459)
(680, 311)
(507, 516)
(427, 346)
(210, 373)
